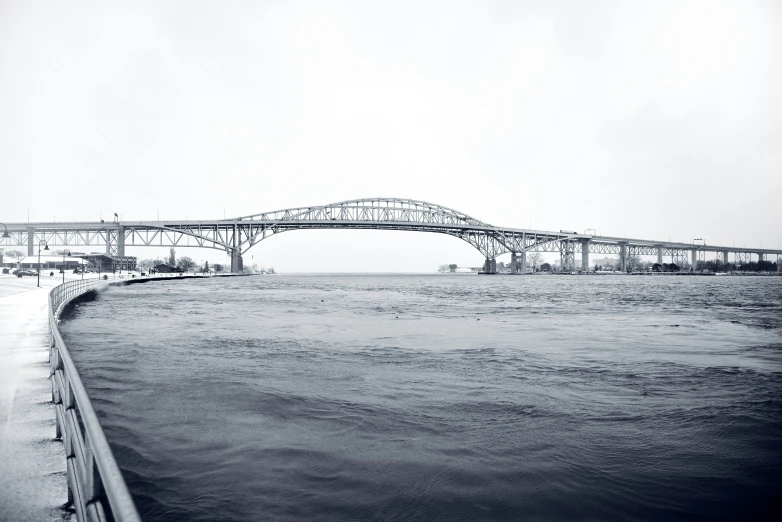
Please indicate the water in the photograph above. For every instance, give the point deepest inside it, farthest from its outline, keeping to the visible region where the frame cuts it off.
(441, 397)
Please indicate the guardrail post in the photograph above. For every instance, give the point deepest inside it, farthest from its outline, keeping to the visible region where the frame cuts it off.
(94, 486)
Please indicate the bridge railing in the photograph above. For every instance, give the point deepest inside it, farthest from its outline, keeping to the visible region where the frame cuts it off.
(96, 488)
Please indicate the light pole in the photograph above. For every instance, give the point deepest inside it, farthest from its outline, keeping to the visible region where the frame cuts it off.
(39, 259)
(63, 263)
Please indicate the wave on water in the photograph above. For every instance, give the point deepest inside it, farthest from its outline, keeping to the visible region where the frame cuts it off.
(438, 398)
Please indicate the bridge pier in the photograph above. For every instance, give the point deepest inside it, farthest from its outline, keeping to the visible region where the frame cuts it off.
(761, 257)
(236, 262)
(623, 257)
(585, 255)
(659, 255)
(490, 266)
(236, 253)
(514, 263)
(121, 242)
(30, 241)
(694, 262)
(523, 263)
(725, 257)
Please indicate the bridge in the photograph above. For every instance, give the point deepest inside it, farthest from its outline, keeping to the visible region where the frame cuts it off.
(237, 235)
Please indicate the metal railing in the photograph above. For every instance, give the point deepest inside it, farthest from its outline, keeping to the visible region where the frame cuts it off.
(96, 488)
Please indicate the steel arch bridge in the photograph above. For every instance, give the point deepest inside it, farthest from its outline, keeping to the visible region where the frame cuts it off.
(395, 214)
(236, 236)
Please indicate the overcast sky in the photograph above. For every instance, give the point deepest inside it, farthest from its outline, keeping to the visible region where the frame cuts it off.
(645, 119)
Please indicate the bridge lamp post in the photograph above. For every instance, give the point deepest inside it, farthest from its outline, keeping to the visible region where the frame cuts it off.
(64, 252)
(39, 259)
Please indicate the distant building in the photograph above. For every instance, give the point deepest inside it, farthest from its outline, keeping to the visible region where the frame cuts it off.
(106, 263)
(165, 268)
(49, 262)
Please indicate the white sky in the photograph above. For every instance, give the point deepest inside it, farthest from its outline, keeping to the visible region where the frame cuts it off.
(646, 119)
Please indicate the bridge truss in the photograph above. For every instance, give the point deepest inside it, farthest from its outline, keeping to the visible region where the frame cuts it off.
(236, 236)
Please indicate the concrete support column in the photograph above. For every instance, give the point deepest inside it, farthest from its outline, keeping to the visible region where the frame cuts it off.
(121, 242)
(623, 257)
(513, 263)
(761, 257)
(694, 261)
(236, 261)
(493, 266)
(523, 263)
(725, 257)
(30, 241)
(487, 266)
(585, 255)
(236, 257)
(659, 255)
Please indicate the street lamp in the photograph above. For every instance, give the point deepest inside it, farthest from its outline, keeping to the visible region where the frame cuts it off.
(39, 259)
(63, 263)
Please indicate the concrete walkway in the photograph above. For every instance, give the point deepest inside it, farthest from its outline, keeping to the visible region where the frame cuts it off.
(32, 463)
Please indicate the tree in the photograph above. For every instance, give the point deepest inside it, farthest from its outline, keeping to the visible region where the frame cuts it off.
(545, 267)
(535, 258)
(185, 263)
(633, 262)
(14, 253)
(172, 257)
(206, 266)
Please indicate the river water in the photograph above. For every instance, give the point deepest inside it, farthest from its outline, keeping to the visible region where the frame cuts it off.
(389, 397)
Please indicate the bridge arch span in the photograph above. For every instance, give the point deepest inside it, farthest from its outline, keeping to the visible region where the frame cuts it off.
(375, 213)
